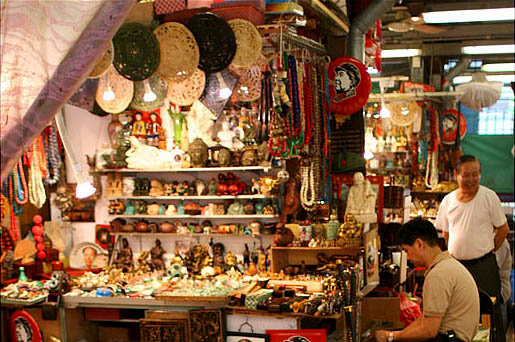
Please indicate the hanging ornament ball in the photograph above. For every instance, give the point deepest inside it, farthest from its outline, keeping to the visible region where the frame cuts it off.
(38, 239)
(283, 176)
(349, 85)
(37, 219)
(37, 230)
(41, 255)
(40, 247)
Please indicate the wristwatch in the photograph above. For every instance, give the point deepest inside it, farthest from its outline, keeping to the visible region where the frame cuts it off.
(390, 336)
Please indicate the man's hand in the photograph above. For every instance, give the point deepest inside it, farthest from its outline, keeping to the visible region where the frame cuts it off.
(381, 335)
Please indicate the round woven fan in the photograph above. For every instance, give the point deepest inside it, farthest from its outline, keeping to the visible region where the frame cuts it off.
(248, 87)
(403, 113)
(136, 52)
(248, 42)
(184, 93)
(215, 39)
(157, 85)
(24, 249)
(103, 64)
(179, 51)
(122, 88)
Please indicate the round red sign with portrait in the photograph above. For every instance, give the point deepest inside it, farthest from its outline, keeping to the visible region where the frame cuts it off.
(23, 327)
(450, 126)
(349, 85)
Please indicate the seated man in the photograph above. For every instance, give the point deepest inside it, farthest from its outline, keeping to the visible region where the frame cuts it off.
(450, 295)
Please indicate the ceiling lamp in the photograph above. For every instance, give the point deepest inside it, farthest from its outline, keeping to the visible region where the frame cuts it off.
(399, 53)
(488, 49)
(480, 92)
(468, 16)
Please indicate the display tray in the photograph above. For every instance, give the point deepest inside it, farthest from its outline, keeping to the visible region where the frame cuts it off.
(246, 311)
(27, 302)
(123, 302)
(221, 300)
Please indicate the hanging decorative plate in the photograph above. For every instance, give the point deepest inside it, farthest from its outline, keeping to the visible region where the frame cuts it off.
(404, 113)
(84, 97)
(23, 327)
(179, 51)
(248, 42)
(248, 87)
(184, 93)
(349, 85)
(215, 39)
(83, 255)
(136, 52)
(219, 87)
(104, 63)
(122, 88)
(157, 85)
(450, 126)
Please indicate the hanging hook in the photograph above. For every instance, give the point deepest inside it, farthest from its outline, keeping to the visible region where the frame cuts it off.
(246, 323)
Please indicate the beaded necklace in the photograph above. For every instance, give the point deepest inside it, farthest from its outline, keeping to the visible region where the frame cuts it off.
(317, 120)
(15, 210)
(308, 103)
(307, 186)
(54, 158)
(22, 193)
(37, 195)
(296, 135)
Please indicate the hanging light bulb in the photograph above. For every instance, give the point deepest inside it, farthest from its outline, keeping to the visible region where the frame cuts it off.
(384, 112)
(108, 94)
(405, 111)
(368, 155)
(149, 95)
(84, 187)
(224, 91)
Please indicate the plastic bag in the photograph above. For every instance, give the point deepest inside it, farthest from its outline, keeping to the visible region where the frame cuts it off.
(410, 310)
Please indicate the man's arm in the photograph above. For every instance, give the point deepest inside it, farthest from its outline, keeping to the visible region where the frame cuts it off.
(446, 237)
(500, 234)
(424, 328)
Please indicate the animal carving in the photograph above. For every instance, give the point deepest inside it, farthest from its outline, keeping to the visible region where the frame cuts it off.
(291, 200)
(283, 236)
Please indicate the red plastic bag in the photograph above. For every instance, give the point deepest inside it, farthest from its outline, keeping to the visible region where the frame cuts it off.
(410, 310)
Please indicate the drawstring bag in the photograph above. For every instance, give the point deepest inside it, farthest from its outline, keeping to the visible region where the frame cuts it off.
(410, 310)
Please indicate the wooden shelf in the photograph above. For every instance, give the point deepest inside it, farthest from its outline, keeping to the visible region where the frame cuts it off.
(221, 217)
(214, 197)
(193, 169)
(190, 234)
(284, 256)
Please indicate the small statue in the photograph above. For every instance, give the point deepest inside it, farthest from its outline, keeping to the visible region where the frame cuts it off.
(198, 153)
(361, 201)
(200, 187)
(283, 236)
(224, 157)
(156, 256)
(153, 127)
(218, 253)
(129, 209)
(263, 154)
(249, 157)
(230, 260)
(196, 258)
(226, 135)
(63, 201)
(291, 200)
(212, 187)
(236, 208)
(156, 188)
(124, 259)
(177, 258)
(139, 130)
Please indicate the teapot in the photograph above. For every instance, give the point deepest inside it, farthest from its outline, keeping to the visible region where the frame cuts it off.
(153, 209)
(142, 226)
(167, 227)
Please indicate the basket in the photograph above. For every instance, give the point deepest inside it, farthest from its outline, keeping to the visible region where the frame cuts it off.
(249, 13)
(349, 243)
(393, 197)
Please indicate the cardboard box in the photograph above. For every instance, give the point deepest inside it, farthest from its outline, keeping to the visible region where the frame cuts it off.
(380, 308)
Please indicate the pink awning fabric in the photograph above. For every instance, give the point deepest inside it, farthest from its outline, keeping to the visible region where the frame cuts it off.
(47, 50)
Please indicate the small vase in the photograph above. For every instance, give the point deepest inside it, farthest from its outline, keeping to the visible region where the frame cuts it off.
(113, 128)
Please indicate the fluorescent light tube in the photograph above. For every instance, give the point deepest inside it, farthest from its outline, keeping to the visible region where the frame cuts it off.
(496, 67)
(397, 53)
(468, 16)
(491, 78)
(488, 49)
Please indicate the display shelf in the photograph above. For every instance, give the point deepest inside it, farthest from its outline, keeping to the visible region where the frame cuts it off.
(221, 217)
(193, 169)
(245, 311)
(214, 197)
(179, 235)
(284, 256)
(424, 216)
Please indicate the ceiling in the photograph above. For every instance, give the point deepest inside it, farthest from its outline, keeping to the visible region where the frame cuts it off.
(447, 41)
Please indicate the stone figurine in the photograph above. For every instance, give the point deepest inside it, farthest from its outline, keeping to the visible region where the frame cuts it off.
(156, 256)
(361, 201)
(198, 153)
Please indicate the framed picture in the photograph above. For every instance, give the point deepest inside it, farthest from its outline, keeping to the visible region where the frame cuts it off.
(341, 187)
(88, 255)
(371, 262)
(236, 336)
(295, 335)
